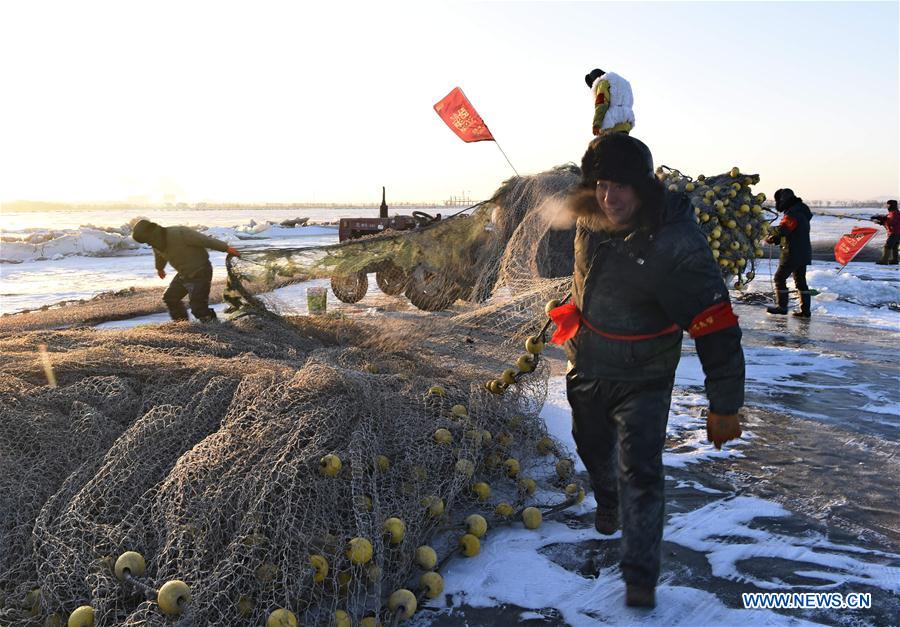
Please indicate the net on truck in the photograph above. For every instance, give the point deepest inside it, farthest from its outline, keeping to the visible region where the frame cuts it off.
(265, 462)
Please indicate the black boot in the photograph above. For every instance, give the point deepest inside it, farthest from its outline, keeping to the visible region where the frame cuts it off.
(177, 311)
(781, 302)
(805, 303)
(606, 521)
(640, 596)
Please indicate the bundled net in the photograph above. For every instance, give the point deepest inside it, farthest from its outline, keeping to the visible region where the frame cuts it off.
(730, 215)
(292, 463)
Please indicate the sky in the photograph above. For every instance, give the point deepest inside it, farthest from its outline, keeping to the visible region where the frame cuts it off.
(327, 102)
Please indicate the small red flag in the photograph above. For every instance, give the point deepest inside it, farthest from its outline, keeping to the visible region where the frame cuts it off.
(458, 113)
(850, 244)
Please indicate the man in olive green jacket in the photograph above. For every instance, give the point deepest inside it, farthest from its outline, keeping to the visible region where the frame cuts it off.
(185, 249)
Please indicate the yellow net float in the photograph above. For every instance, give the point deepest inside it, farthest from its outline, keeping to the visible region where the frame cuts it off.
(403, 603)
(342, 619)
(320, 567)
(359, 551)
(476, 525)
(395, 530)
(282, 618)
(482, 491)
(532, 517)
(426, 557)
(129, 563)
(470, 545)
(330, 465)
(83, 616)
(432, 583)
(173, 597)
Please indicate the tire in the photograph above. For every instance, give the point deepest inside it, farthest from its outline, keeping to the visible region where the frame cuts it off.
(391, 279)
(431, 292)
(350, 288)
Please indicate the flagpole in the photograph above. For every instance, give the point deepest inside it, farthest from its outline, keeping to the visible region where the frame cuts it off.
(507, 158)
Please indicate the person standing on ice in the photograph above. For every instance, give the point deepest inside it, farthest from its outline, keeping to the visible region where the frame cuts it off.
(643, 273)
(185, 249)
(796, 252)
(891, 222)
(613, 102)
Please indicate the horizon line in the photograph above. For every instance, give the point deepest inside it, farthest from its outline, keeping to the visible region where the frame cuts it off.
(50, 205)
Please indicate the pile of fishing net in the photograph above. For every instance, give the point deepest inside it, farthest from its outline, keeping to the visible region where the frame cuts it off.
(730, 215)
(282, 467)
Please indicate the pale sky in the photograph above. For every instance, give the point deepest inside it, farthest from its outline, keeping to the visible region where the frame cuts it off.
(289, 101)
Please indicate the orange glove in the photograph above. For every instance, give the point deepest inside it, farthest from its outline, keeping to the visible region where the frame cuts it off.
(161, 273)
(233, 252)
(722, 427)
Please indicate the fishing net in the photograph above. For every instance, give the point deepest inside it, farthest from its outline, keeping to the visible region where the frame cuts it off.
(292, 462)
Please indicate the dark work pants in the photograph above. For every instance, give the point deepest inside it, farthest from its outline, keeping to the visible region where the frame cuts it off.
(197, 288)
(889, 252)
(787, 268)
(620, 430)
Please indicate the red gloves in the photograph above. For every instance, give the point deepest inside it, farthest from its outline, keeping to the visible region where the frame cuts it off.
(233, 252)
(596, 130)
(722, 427)
(161, 273)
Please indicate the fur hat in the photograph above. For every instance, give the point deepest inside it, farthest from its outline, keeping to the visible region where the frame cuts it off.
(892, 205)
(621, 158)
(784, 198)
(593, 75)
(617, 157)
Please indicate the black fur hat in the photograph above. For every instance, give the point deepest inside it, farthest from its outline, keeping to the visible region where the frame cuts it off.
(593, 75)
(624, 159)
(785, 198)
(617, 157)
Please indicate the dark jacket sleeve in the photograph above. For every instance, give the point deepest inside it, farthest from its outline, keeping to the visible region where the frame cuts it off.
(691, 288)
(159, 260)
(205, 241)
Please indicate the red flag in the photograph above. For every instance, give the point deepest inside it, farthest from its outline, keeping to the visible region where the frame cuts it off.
(850, 244)
(458, 113)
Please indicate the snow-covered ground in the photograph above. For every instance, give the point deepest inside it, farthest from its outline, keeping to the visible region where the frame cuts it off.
(717, 544)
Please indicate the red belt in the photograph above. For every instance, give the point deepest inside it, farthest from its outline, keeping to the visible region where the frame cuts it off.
(568, 320)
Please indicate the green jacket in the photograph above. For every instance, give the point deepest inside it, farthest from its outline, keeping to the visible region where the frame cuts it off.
(180, 246)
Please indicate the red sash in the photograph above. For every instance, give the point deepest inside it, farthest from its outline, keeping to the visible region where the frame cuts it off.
(568, 320)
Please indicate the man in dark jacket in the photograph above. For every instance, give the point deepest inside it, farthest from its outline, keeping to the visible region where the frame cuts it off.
(185, 249)
(643, 273)
(891, 222)
(796, 252)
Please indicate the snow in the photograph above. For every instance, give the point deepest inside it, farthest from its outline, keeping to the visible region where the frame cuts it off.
(90, 241)
(860, 294)
(57, 244)
(516, 566)
(46, 266)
